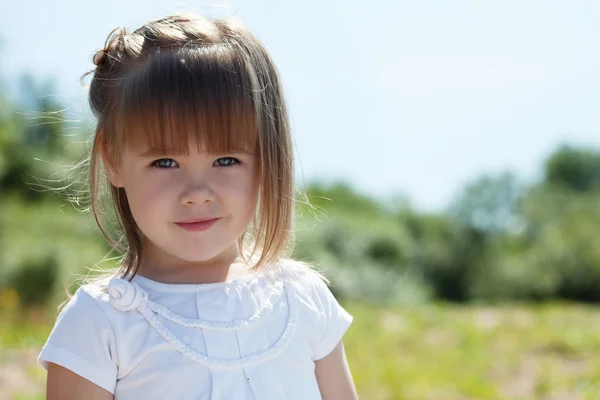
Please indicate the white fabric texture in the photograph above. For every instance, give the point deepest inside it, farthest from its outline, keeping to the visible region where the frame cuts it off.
(255, 337)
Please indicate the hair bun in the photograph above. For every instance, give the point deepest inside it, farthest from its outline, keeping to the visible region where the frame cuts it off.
(115, 41)
(99, 57)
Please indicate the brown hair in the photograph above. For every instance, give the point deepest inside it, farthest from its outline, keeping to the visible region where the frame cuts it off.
(185, 77)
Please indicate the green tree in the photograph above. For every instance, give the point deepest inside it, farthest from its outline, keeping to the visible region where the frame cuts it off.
(490, 204)
(574, 168)
(447, 255)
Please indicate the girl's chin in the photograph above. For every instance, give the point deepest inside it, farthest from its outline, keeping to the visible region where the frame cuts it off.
(195, 256)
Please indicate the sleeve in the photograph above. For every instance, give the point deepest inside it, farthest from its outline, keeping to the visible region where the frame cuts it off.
(332, 319)
(83, 341)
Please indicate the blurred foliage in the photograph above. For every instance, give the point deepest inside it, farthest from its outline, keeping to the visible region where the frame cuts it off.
(490, 203)
(43, 240)
(500, 240)
(574, 169)
(34, 281)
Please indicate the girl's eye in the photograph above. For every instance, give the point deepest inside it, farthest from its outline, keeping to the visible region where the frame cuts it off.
(226, 161)
(164, 163)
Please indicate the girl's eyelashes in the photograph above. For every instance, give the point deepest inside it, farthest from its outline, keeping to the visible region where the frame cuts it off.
(164, 163)
(226, 161)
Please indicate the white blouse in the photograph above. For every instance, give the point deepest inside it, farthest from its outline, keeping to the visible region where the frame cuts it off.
(255, 337)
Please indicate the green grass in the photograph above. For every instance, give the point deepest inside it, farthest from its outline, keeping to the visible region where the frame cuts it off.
(449, 352)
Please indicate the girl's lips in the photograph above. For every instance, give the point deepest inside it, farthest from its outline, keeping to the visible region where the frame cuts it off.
(197, 226)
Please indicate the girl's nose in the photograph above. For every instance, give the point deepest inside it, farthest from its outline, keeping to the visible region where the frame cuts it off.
(197, 193)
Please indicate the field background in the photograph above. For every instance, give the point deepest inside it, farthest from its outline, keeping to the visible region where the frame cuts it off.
(491, 294)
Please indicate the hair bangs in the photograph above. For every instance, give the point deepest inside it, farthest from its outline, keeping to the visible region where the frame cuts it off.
(190, 96)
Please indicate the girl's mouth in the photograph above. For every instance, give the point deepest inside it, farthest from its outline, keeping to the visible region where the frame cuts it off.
(198, 225)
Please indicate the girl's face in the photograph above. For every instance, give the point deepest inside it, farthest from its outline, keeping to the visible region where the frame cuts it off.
(166, 192)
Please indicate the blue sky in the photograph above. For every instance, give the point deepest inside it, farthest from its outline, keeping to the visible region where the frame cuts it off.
(412, 97)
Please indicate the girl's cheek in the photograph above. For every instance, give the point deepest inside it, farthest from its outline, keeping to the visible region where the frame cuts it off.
(152, 188)
(242, 185)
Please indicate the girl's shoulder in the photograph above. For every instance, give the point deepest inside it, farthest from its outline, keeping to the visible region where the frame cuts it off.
(90, 301)
(301, 275)
(83, 338)
(309, 284)
(324, 318)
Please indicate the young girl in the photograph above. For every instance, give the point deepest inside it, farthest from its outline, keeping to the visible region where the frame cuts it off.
(194, 137)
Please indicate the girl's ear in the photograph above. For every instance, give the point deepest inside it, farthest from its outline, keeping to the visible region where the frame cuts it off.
(112, 171)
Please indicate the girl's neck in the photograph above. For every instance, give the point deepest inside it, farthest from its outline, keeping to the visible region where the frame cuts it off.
(161, 267)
